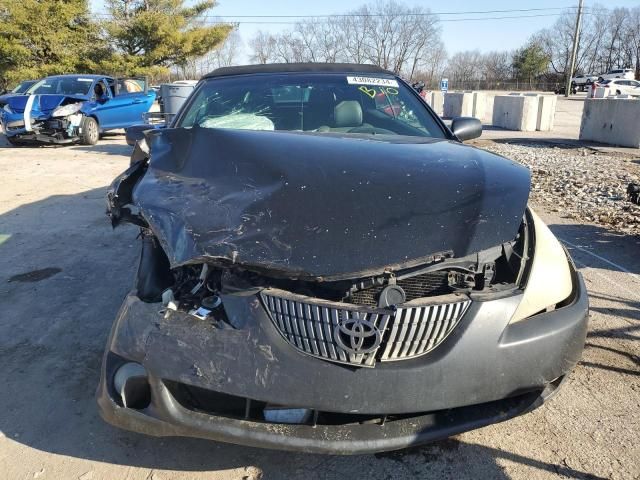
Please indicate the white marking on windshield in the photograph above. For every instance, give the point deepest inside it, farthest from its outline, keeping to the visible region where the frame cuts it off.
(383, 82)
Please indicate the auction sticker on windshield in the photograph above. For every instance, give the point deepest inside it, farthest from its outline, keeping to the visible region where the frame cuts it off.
(383, 82)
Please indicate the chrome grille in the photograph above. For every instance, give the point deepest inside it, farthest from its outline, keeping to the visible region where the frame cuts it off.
(418, 330)
(309, 325)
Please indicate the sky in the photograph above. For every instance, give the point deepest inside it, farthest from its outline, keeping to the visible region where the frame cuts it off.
(484, 35)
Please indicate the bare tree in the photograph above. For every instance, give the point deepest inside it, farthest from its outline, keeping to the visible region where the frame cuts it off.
(224, 55)
(465, 67)
(396, 37)
(497, 66)
(407, 40)
(633, 38)
(606, 40)
(263, 47)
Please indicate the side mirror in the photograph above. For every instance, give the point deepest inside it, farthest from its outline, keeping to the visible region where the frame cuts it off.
(466, 128)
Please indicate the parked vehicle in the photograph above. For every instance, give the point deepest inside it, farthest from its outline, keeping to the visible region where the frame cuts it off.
(625, 73)
(561, 89)
(583, 81)
(74, 108)
(321, 272)
(621, 87)
(20, 89)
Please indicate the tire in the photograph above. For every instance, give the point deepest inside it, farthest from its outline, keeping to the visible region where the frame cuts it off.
(90, 131)
(618, 92)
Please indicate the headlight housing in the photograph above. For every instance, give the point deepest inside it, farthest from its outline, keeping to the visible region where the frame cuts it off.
(549, 281)
(66, 110)
(7, 108)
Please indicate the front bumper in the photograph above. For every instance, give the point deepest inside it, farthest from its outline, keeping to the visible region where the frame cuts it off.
(486, 371)
(49, 131)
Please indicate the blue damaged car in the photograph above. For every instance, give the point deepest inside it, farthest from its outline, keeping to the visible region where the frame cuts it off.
(75, 108)
(19, 89)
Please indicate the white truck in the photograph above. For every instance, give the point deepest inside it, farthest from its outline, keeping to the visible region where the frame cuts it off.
(583, 81)
(625, 73)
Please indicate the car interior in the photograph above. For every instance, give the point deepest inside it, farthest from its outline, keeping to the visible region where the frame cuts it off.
(324, 108)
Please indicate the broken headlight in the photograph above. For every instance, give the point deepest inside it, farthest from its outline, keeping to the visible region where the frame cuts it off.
(66, 110)
(549, 281)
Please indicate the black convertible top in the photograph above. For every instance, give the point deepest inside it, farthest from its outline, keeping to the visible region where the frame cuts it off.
(297, 67)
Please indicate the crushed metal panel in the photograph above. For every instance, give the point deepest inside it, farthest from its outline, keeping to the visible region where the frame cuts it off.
(325, 205)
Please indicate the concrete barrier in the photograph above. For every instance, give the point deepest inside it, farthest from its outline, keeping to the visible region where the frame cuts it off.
(479, 105)
(601, 92)
(458, 105)
(487, 116)
(437, 102)
(611, 120)
(515, 112)
(546, 112)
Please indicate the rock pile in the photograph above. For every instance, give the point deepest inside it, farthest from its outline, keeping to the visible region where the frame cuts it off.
(580, 183)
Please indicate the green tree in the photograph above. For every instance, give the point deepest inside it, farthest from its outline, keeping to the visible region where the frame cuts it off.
(531, 61)
(148, 36)
(40, 38)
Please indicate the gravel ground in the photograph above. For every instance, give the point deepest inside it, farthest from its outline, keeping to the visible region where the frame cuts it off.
(580, 183)
(64, 272)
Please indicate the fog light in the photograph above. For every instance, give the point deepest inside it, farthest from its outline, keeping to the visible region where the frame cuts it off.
(276, 414)
(131, 383)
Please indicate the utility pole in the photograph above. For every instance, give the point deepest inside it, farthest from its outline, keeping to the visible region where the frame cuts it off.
(574, 52)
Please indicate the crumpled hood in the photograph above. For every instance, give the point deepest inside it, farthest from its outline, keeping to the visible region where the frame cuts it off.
(322, 205)
(42, 104)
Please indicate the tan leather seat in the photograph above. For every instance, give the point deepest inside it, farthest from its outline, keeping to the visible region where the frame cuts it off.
(346, 115)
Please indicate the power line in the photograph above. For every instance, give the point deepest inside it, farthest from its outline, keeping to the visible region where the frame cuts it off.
(291, 22)
(407, 14)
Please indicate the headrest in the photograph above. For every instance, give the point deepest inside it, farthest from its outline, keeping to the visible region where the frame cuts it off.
(347, 113)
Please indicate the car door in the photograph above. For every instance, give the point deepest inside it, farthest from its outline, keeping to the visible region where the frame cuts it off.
(630, 87)
(134, 99)
(95, 106)
(622, 86)
(125, 103)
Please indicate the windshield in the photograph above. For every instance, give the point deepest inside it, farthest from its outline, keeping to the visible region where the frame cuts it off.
(63, 86)
(343, 103)
(22, 87)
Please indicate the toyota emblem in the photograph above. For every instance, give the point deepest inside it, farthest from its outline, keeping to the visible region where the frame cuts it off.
(357, 336)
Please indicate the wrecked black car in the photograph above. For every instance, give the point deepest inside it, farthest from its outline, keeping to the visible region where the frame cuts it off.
(325, 267)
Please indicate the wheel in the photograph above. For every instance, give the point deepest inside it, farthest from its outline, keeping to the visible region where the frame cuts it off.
(90, 131)
(618, 92)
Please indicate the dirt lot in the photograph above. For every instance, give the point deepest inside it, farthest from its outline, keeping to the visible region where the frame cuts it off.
(64, 272)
